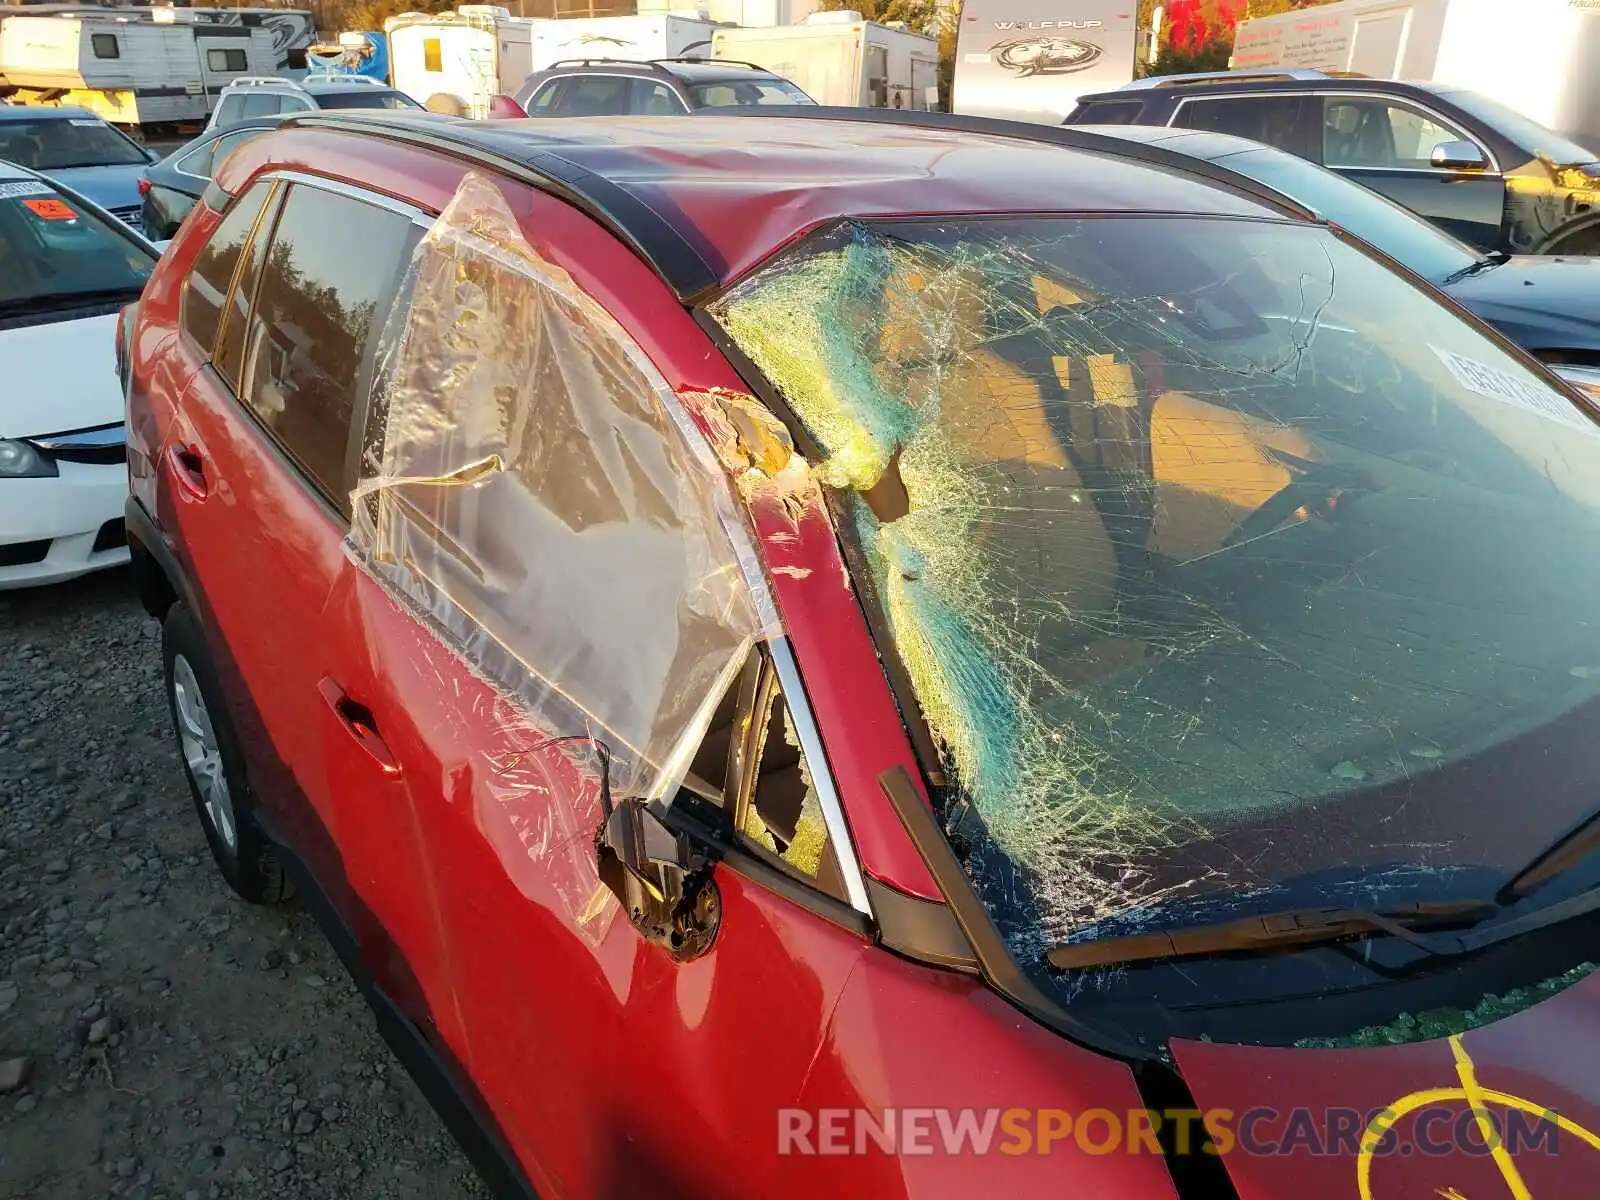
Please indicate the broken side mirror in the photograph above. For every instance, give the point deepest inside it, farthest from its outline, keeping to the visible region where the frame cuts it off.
(662, 879)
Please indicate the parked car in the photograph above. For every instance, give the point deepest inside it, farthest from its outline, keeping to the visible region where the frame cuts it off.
(269, 95)
(173, 186)
(1549, 305)
(77, 149)
(66, 268)
(966, 619)
(604, 87)
(1479, 170)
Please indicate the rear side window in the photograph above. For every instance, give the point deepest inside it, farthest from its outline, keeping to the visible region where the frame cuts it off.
(213, 270)
(1274, 120)
(332, 264)
(596, 96)
(655, 99)
(543, 103)
(1108, 112)
(230, 110)
(261, 104)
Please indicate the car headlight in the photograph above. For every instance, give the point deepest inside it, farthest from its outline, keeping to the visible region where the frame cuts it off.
(19, 460)
(1585, 379)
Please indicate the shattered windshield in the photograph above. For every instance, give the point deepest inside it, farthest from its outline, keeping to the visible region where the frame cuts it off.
(1220, 559)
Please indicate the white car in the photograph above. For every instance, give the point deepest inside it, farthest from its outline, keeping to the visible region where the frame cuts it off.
(67, 267)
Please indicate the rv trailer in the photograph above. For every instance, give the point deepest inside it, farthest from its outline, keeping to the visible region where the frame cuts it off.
(1539, 60)
(1030, 60)
(129, 71)
(839, 58)
(458, 62)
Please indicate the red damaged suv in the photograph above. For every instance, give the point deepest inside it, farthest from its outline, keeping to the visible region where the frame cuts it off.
(812, 654)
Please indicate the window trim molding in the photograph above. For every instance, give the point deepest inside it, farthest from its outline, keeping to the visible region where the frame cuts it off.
(1324, 94)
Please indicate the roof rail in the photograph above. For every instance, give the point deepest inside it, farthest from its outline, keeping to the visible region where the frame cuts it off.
(713, 62)
(673, 253)
(263, 81)
(1258, 74)
(604, 62)
(364, 80)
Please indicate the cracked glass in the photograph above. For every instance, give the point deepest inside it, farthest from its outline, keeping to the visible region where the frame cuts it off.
(1224, 563)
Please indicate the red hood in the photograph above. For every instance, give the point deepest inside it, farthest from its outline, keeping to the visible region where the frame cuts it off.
(1309, 1105)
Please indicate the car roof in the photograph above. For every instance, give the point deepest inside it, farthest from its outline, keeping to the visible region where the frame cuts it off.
(10, 172)
(706, 197)
(1229, 84)
(696, 70)
(341, 83)
(25, 112)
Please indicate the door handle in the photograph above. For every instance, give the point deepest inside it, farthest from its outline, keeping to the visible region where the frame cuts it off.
(189, 469)
(358, 721)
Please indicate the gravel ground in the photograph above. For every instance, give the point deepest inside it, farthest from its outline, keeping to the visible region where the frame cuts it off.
(171, 1040)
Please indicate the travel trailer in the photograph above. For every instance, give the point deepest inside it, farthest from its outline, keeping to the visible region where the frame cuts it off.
(839, 58)
(1537, 56)
(361, 52)
(458, 62)
(130, 71)
(1030, 60)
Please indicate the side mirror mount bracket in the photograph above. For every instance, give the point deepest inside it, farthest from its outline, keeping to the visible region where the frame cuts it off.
(661, 878)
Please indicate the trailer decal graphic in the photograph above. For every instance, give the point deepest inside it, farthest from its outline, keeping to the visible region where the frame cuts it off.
(1045, 55)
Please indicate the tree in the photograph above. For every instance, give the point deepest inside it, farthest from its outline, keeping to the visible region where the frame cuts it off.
(371, 14)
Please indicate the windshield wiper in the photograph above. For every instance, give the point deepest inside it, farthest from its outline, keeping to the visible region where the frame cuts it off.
(1493, 259)
(46, 301)
(1271, 931)
(1572, 847)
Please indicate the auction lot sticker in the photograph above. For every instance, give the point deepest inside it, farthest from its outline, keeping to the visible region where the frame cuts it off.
(1510, 389)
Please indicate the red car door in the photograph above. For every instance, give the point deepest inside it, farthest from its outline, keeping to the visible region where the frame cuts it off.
(539, 508)
(270, 429)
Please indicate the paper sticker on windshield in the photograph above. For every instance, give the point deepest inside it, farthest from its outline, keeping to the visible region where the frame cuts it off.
(11, 191)
(1509, 389)
(81, 124)
(49, 209)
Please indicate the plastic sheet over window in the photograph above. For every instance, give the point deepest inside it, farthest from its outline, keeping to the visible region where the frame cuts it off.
(536, 491)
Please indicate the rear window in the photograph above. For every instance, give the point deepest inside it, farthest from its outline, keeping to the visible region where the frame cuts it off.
(1274, 120)
(1108, 112)
(56, 253)
(367, 98)
(60, 142)
(746, 93)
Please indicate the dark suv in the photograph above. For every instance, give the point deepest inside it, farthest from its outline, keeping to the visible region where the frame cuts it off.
(603, 87)
(1472, 166)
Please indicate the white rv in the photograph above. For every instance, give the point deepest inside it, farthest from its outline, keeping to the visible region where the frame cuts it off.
(632, 39)
(1030, 60)
(1536, 56)
(839, 58)
(129, 71)
(458, 62)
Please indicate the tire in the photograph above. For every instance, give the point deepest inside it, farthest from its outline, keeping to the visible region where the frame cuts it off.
(213, 765)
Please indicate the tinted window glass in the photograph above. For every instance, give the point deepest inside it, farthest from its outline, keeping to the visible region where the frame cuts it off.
(543, 104)
(229, 358)
(1108, 112)
(56, 143)
(746, 93)
(213, 269)
(1274, 120)
(199, 162)
(655, 99)
(367, 98)
(105, 45)
(230, 109)
(261, 105)
(332, 261)
(54, 251)
(1359, 132)
(596, 96)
